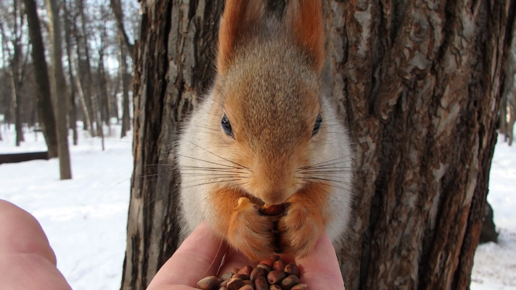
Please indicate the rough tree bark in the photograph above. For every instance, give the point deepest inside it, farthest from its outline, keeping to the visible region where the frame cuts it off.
(174, 64)
(417, 83)
(59, 90)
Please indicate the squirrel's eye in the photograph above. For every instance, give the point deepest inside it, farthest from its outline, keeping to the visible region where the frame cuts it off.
(226, 126)
(317, 125)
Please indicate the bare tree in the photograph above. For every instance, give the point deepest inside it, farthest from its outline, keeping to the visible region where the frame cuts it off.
(45, 107)
(68, 20)
(126, 119)
(59, 90)
(418, 85)
(508, 100)
(103, 78)
(84, 67)
(116, 7)
(13, 47)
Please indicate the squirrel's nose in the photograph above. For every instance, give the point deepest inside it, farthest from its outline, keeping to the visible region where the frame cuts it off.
(272, 197)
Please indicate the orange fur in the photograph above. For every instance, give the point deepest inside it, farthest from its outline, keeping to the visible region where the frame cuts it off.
(239, 20)
(307, 26)
(306, 219)
(242, 224)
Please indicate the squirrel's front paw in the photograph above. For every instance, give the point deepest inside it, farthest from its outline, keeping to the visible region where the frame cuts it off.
(250, 232)
(300, 229)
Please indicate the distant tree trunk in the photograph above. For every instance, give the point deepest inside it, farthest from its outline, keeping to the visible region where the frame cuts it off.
(69, 56)
(12, 47)
(116, 7)
(84, 64)
(16, 91)
(417, 83)
(126, 119)
(114, 98)
(508, 99)
(84, 105)
(512, 115)
(17, 118)
(59, 91)
(103, 92)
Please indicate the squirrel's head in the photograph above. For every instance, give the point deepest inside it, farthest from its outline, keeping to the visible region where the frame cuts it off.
(268, 94)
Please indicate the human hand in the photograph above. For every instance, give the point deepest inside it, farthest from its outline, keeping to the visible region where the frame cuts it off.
(201, 255)
(26, 260)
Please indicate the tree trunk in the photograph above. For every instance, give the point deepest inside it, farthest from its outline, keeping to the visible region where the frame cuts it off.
(103, 92)
(45, 108)
(508, 99)
(418, 85)
(174, 65)
(84, 105)
(84, 64)
(69, 56)
(15, 91)
(116, 7)
(114, 97)
(126, 119)
(59, 91)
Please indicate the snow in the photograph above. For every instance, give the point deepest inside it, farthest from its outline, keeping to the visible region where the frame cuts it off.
(85, 218)
(495, 264)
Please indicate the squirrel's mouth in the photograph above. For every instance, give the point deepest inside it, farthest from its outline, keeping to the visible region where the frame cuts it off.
(258, 201)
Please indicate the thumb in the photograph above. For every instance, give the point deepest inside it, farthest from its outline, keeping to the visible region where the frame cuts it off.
(321, 268)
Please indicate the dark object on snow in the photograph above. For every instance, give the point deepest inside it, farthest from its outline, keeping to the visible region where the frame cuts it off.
(488, 232)
(22, 157)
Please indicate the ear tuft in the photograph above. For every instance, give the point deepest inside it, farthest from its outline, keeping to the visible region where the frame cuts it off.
(306, 22)
(239, 22)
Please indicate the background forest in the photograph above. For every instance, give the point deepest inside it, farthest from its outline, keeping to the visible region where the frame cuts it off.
(66, 89)
(95, 41)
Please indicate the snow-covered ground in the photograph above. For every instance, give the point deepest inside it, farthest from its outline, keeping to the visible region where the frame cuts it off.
(85, 218)
(495, 264)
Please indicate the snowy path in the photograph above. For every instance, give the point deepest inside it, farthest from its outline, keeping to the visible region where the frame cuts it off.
(85, 218)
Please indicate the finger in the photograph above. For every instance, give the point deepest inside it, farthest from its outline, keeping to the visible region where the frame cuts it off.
(199, 256)
(26, 259)
(30, 271)
(320, 269)
(171, 287)
(20, 232)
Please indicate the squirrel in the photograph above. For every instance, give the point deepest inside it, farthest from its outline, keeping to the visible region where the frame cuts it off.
(267, 134)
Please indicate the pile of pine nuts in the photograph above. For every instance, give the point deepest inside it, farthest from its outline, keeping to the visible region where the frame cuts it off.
(270, 274)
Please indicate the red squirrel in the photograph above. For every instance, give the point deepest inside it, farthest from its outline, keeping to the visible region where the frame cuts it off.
(266, 134)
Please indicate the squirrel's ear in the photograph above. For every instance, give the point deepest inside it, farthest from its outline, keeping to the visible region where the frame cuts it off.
(240, 21)
(305, 19)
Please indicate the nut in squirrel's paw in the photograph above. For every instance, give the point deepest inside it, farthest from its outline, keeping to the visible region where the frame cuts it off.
(274, 209)
(250, 231)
